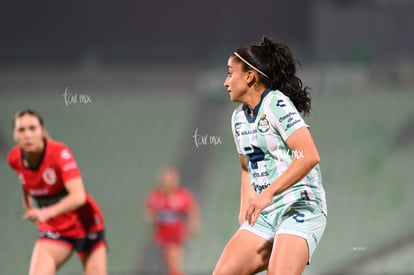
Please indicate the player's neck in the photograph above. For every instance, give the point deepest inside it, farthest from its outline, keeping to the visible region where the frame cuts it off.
(168, 190)
(32, 159)
(253, 99)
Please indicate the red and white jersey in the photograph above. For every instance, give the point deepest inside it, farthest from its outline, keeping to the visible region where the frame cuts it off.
(170, 208)
(57, 166)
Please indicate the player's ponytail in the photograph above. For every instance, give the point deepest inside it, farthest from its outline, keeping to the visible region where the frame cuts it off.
(282, 72)
(278, 66)
(35, 114)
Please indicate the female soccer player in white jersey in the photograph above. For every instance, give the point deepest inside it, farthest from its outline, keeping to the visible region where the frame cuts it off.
(283, 206)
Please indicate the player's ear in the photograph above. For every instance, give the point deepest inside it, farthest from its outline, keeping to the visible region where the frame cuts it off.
(45, 133)
(251, 77)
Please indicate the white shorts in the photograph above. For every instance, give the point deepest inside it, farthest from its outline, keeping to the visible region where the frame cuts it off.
(299, 220)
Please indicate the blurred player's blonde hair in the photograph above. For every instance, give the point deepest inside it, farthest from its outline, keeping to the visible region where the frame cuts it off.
(35, 114)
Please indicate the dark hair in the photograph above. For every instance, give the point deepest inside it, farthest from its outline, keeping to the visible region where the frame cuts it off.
(32, 113)
(276, 61)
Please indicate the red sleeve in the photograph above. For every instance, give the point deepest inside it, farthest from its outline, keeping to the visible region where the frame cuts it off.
(13, 157)
(66, 164)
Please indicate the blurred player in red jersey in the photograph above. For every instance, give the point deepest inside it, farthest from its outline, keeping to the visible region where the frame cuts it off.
(67, 217)
(174, 212)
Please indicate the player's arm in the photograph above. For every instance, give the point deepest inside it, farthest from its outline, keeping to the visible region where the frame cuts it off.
(75, 198)
(27, 200)
(149, 212)
(307, 158)
(194, 219)
(247, 192)
(149, 215)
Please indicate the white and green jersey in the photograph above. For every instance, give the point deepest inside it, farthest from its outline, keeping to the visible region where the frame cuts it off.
(261, 138)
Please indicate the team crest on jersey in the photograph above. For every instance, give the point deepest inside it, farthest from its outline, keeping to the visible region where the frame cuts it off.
(263, 124)
(49, 176)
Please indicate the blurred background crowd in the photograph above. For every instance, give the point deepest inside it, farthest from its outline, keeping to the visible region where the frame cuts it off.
(128, 84)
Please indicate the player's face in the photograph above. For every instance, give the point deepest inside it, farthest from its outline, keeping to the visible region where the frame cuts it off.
(28, 133)
(236, 81)
(169, 180)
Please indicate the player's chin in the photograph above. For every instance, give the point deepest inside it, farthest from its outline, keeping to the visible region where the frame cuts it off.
(233, 98)
(30, 149)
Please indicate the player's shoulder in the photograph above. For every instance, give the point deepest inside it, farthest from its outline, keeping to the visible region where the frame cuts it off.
(56, 145)
(280, 104)
(14, 156)
(237, 111)
(276, 98)
(239, 108)
(155, 192)
(184, 191)
(58, 149)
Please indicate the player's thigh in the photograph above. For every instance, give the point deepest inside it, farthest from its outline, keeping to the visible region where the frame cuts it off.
(48, 256)
(245, 253)
(289, 255)
(95, 262)
(295, 240)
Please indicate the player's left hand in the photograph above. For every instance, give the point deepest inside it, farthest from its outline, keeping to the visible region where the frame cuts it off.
(256, 206)
(37, 215)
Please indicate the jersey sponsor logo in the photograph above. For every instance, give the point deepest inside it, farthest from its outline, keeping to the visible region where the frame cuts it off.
(49, 234)
(237, 127)
(281, 119)
(249, 132)
(92, 236)
(299, 217)
(315, 238)
(38, 192)
(240, 132)
(263, 125)
(280, 103)
(65, 154)
(49, 176)
(291, 124)
(170, 216)
(260, 188)
(261, 174)
(69, 166)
